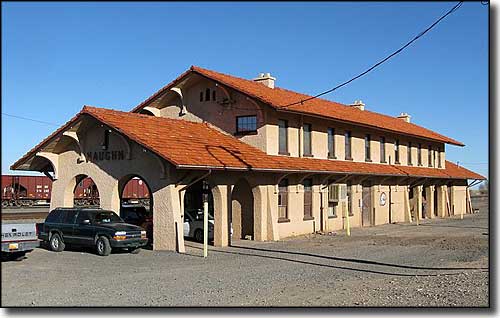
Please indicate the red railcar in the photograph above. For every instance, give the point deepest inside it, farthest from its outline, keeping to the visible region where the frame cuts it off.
(25, 190)
(31, 190)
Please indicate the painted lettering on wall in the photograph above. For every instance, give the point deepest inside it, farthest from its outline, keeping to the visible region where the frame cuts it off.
(105, 155)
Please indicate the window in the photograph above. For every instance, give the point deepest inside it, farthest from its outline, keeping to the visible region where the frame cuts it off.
(213, 95)
(69, 217)
(55, 216)
(382, 149)
(201, 96)
(246, 124)
(396, 151)
(207, 94)
(307, 140)
(283, 200)
(419, 154)
(283, 137)
(105, 140)
(331, 143)
(367, 148)
(439, 157)
(429, 156)
(307, 183)
(409, 154)
(348, 145)
(332, 209)
(82, 215)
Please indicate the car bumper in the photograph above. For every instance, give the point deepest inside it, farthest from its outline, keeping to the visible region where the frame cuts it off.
(20, 246)
(129, 243)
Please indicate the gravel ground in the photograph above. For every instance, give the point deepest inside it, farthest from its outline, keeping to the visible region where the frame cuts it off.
(440, 263)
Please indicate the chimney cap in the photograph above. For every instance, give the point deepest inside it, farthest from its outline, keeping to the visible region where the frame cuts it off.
(404, 116)
(266, 79)
(358, 104)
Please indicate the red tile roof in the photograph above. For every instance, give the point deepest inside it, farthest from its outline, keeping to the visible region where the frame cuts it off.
(197, 145)
(278, 98)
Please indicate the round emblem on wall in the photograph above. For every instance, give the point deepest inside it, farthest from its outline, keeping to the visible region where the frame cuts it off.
(383, 198)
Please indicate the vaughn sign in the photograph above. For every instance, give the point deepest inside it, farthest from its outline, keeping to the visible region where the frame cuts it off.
(105, 155)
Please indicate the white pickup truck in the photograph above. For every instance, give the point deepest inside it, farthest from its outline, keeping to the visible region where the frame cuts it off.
(18, 239)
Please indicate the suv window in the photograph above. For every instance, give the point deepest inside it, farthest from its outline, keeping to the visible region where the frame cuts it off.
(54, 216)
(69, 217)
(82, 215)
(130, 216)
(107, 217)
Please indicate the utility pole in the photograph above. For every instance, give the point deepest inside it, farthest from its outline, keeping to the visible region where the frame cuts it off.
(205, 190)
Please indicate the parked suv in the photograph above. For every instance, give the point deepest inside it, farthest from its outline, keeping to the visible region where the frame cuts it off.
(140, 216)
(91, 227)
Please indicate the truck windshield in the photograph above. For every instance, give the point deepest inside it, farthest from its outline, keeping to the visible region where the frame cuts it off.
(107, 217)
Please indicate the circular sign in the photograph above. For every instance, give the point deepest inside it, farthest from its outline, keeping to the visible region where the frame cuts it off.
(383, 198)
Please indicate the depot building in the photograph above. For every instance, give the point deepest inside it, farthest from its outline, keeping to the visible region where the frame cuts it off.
(277, 163)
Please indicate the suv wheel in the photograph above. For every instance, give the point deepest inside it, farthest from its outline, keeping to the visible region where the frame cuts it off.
(198, 235)
(102, 246)
(56, 244)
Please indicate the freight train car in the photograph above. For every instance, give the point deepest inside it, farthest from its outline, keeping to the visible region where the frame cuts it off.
(136, 191)
(25, 190)
(20, 191)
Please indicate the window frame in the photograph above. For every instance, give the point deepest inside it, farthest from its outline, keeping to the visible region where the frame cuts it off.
(409, 159)
(307, 184)
(307, 146)
(331, 143)
(285, 130)
(246, 132)
(207, 94)
(348, 145)
(439, 158)
(430, 164)
(419, 154)
(396, 152)
(368, 148)
(382, 150)
(283, 197)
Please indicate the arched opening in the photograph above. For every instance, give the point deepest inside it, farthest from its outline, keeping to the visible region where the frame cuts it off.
(193, 213)
(242, 216)
(85, 193)
(136, 203)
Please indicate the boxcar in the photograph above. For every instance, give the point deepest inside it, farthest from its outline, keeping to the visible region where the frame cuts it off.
(32, 190)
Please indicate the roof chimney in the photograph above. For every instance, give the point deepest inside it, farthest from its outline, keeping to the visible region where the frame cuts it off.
(265, 79)
(358, 104)
(405, 117)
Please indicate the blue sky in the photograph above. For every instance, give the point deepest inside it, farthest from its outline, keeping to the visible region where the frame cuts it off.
(57, 57)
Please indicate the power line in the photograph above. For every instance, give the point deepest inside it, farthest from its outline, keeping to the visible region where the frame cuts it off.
(456, 7)
(30, 119)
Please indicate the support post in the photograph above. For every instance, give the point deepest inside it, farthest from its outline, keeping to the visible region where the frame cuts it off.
(348, 227)
(205, 218)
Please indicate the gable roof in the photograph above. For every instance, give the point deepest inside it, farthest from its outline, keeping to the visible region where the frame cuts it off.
(192, 145)
(278, 98)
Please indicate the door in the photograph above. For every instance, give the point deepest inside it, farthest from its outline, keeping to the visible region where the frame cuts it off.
(83, 232)
(366, 209)
(67, 226)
